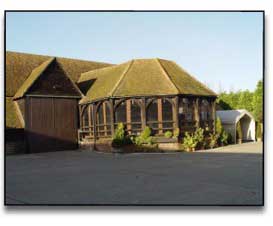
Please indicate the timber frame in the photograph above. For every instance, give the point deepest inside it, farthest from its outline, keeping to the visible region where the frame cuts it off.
(99, 119)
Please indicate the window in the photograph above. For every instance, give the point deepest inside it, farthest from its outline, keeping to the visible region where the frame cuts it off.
(120, 113)
(152, 115)
(85, 118)
(186, 107)
(204, 111)
(135, 116)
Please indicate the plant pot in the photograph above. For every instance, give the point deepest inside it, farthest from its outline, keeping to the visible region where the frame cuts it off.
(239, 141)
(259, 139)
(192, 149)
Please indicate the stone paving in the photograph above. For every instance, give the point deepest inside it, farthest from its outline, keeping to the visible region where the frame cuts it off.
(231, 175)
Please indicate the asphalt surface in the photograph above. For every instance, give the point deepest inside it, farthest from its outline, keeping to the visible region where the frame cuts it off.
(84, 177)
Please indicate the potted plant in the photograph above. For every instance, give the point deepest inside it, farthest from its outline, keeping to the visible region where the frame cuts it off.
(239, 134)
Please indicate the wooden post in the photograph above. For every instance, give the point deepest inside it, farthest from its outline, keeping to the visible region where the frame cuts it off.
(143, 112)
(159, 115)
(175, 113)
(80, 113)
(213, 114)
(89, 120)
(112, 119)
(196, 112)
(94, 110)
(128, 116)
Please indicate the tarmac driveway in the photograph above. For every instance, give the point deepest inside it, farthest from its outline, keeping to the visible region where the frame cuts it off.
(84, 177)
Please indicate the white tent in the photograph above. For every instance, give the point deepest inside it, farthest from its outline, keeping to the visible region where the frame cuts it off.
(230, 118)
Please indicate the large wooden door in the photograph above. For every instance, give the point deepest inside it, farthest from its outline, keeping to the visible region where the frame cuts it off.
(51, 123)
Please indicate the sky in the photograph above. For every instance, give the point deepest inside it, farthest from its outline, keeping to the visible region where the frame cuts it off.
(224, 50)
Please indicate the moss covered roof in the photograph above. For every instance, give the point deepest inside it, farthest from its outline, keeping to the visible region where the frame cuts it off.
(142, 77)
(20, 65)
(22, 69)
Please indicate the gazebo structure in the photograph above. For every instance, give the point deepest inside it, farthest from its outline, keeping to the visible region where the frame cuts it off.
(143, 92)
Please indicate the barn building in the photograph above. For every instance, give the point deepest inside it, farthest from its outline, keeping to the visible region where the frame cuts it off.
(60, 102)
(42, 101)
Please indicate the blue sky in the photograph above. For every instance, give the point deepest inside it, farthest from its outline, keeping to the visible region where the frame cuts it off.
(223, 50)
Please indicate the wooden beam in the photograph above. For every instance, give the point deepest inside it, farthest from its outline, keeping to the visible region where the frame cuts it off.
(94, 110)
(175, 112)
(19, 113)
(213, 114)
(196, 112)
(159, 115)
(128, 116)
(104, 118)
(143, 113)
(112, 119)
(89, 119)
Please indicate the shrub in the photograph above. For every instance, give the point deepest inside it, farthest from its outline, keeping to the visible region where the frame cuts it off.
(189, 141)
(168, 134)
(229, 139)
(224, 137)
(144, 137)
(239, 134)
(199, 135)
(259, 130)
(119, 136)
(213, 140)
(176, 133)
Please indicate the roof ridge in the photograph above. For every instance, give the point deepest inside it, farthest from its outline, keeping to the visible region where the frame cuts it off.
(121, 78)
(166, 74)
(18, 94)
(60, 57)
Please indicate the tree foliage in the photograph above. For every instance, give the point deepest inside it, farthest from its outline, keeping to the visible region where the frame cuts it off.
(244, 99)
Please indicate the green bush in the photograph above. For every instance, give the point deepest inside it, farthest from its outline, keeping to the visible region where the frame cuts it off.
(176, 133)
(239, 134)
(224, 137)
(213, 140)
(119, 136)
(199, 135)
(259, 130)
(145, 137)
(229, 139)
(189, 141)
(168, 134)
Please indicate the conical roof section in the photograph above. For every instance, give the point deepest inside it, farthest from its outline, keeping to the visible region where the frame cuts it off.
(141, 77)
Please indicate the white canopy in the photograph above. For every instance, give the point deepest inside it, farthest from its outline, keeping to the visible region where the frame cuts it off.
(229, 119)
(232, 116)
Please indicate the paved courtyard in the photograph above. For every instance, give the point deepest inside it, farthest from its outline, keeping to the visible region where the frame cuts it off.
(230, 175)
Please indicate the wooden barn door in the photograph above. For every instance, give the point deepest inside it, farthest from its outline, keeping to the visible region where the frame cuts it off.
(51, 124)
